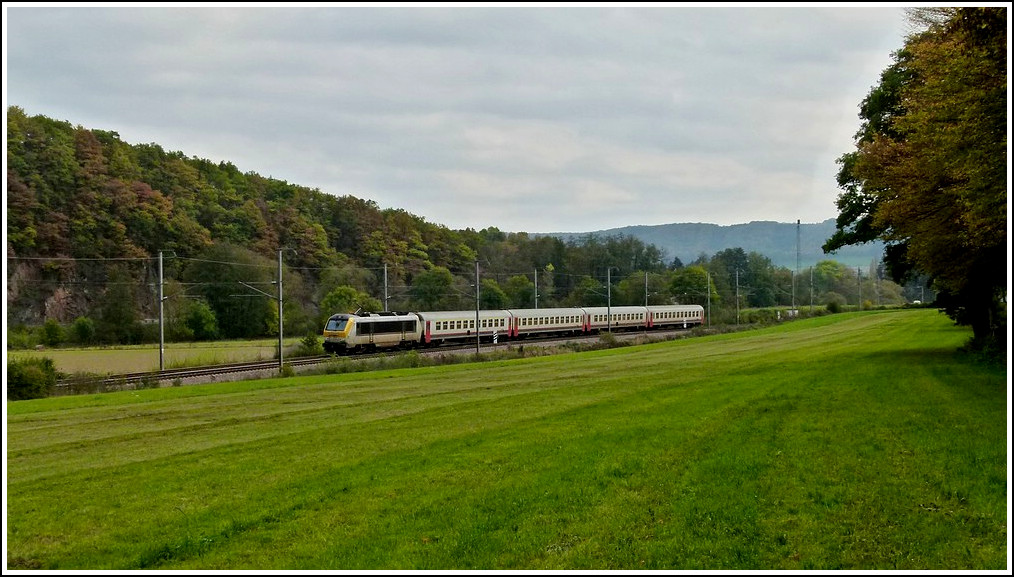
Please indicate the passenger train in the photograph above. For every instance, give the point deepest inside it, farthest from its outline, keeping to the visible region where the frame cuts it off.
(354, 332)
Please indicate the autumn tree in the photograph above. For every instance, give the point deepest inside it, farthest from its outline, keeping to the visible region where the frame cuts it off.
(430, 289)
(491, 296)
(346, 299)
(223, 276)
(118, 314)
(693, 285)
(929, 173)
(520, 291)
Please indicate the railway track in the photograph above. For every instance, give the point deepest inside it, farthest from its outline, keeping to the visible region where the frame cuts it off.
(153, 379)
(187, 373)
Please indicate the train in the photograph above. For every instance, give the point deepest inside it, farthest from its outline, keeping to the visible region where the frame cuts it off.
(346, 333)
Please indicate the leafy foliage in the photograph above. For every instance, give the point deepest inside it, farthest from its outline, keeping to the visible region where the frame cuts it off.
(89, 215)
(693, 285)
(82, 331)
(929, 173)
(346, 299)
(237, 285)
(32, 378)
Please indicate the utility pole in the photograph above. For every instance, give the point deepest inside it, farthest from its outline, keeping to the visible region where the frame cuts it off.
(536, 288)
(476, 307)
(385, 287)
(708, 288)
(280, 316)
(859, 278)
(609, 300)
(737, 296)
(797, 269)
(161, 329)
(278, 297)
(161, 313)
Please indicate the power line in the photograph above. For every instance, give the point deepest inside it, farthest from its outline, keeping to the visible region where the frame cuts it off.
(74, 259)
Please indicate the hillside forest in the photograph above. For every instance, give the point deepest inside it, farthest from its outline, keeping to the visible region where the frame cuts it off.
(94, 223)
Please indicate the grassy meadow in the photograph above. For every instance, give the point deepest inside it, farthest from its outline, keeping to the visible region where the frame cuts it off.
(854, 441)
(124, 359)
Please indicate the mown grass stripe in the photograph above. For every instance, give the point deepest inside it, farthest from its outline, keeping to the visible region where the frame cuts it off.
(859, 442)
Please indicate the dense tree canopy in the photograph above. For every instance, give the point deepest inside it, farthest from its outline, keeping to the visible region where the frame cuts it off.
(89, 216)
(929, 173)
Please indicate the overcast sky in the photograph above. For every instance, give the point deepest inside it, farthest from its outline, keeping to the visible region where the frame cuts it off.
(539, 118)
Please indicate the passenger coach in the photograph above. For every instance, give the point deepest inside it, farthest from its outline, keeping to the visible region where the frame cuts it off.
(683, 316)
(616, 318)
(443, 326)
(546, 321)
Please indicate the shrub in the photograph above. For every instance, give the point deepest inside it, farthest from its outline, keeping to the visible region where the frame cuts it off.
(83, 331)
(201, 322)
(30, 378)
(52, 333)
(759, 316)
(409, 360)
(310, 346)
(835, 302)
(20, 338)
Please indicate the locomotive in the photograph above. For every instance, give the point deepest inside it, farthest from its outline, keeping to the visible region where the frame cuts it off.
(363, 331)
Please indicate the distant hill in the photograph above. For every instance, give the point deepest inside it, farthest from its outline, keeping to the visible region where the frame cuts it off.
(775, 240)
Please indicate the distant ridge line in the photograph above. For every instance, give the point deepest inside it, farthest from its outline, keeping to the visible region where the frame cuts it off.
(775, 240)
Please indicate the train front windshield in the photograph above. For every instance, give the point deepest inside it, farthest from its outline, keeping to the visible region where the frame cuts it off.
(336, 324)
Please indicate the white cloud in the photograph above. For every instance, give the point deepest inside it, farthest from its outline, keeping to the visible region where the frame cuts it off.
(525, 118)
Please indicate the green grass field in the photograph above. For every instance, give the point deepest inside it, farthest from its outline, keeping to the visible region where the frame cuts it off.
(854, 441)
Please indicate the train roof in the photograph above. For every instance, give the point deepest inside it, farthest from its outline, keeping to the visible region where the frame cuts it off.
(468, 314)
(377, 315)
(547, 311)
(615, 309)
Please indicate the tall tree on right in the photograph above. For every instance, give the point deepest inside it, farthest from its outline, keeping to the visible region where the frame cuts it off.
(929, 173)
